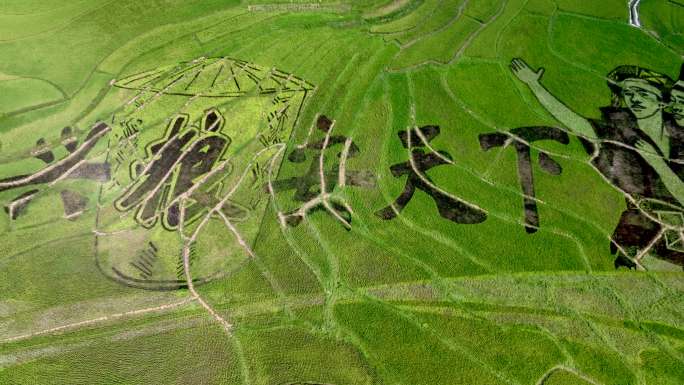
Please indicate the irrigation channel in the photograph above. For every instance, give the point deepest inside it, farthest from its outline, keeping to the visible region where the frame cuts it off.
(634, 13)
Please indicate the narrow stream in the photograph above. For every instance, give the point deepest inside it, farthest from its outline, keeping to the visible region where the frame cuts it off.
(634, 13)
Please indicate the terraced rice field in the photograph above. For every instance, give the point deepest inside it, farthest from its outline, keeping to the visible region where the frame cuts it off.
(268, 192)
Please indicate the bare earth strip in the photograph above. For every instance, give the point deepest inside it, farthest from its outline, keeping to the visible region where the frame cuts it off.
(188, 241)
(387, 9)
(97, 320)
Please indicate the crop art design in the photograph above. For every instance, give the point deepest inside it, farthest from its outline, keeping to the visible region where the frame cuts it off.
(190, 157)
(521, 138)
(449, 207)
(72, 166)
(315, 189)
(638, 147)
(187, 159)
(310, 192)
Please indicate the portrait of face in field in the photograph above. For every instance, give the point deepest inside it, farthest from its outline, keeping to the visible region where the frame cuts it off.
(638, 89)
(676, 106)
(643, 99)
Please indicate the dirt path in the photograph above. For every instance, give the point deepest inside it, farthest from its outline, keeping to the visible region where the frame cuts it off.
(189, 240)
(551, 371)
(386, 9)
(98, 320)
(342, 177)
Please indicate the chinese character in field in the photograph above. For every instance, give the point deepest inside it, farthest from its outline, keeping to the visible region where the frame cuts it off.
(448, 206)
(315, 187)
(177, 163)
(72, 166)
(521, 138)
